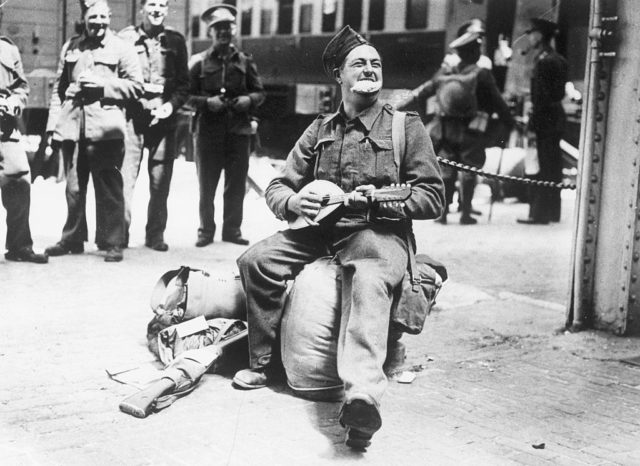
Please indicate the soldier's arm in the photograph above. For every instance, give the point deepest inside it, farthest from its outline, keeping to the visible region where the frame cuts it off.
(418, 97)
(254, 84)
(196, 99)
(59, 88)
(297, 173)
(19, 90)
(498, 103)
(128, 85)
(181, 91)
(419, 167)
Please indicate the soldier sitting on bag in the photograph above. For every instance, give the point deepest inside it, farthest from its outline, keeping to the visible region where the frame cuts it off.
(15, 181)
(351, 148)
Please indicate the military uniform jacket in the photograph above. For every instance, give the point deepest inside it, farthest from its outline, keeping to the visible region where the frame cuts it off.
(487, 93)
(96, 115)
(359, 152)
(163, 60)
(550, 74)
(13, 87)
(210, 75)
(13, 83)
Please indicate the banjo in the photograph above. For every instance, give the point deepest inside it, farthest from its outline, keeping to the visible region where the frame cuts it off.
(333, 196)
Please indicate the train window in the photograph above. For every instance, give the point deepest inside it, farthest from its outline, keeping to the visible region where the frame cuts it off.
(376, 15)
(416, 14)
(266, 19)
(268, 8)
(353, 14)
(329, 8)
(245, 22)
(285, 17)
(195, 26)
(306, 13)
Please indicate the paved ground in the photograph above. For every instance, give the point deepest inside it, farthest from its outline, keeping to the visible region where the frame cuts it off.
(495, 377)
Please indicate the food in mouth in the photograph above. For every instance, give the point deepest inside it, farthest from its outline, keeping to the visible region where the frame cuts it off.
(366, 87)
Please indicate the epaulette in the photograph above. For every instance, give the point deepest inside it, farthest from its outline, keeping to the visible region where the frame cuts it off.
(7, 40)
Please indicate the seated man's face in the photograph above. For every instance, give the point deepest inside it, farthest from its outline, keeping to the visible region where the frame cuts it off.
(361, 71)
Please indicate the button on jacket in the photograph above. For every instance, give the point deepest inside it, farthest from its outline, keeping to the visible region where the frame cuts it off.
(359, 152)
(163, 60)
(99, 116)
(210, 76)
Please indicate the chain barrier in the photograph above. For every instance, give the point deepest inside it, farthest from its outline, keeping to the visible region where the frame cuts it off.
(510, 178)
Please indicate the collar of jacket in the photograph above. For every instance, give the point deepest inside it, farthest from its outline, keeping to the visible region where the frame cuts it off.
(462, 68)
(143, 34)
(233, 52)
(108, 34)
(367, 117)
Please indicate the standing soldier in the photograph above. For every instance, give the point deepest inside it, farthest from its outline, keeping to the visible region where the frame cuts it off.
(224, 89)
(98, 75)
(547, 118)
(467, 97)
(163, 57)
(15, 181)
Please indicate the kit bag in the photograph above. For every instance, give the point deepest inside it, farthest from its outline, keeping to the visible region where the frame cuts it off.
(311, 322)
(185, 293)
(411, 306)
(456, 94)
(309, 331)
(457, 98)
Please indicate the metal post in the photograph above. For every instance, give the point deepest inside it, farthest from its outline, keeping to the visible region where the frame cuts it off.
(580, 304)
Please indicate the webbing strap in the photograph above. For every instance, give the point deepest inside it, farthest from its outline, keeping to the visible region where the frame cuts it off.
(398, 138)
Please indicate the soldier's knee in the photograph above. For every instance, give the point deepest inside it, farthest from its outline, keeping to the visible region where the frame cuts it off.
(251, 258)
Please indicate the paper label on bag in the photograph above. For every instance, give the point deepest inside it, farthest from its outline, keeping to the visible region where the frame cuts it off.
(195, 325)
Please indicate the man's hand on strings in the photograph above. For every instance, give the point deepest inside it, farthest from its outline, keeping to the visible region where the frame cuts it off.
(357, 198)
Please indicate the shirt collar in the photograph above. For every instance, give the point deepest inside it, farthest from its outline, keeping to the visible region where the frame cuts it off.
(107, 37)
(233, 52)
(367, 117)
(143, 34)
